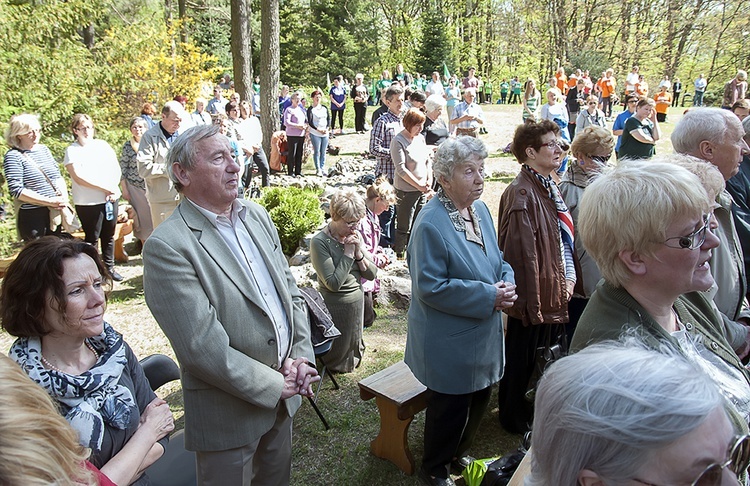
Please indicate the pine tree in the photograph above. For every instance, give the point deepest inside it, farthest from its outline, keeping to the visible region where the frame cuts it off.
(435, 47)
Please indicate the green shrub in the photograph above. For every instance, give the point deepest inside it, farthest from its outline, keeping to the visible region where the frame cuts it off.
(295, 212)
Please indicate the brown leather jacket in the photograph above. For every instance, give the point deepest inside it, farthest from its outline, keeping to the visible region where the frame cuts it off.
(529, 237)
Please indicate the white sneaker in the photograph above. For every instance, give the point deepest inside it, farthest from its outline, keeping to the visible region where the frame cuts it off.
(319, 173)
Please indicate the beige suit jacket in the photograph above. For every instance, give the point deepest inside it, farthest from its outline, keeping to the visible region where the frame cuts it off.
(215, 320)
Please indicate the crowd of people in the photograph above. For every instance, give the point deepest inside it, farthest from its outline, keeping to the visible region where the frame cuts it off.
(638, 267)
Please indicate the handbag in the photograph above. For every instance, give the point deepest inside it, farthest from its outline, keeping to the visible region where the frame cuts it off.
(555, 347)
(65, 218)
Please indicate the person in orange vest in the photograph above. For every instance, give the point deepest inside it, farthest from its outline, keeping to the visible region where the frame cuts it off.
(663, 101)
(608, 85)
(561, 81)
(641, 87)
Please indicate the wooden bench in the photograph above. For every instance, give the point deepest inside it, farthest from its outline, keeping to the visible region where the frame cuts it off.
(399, 396)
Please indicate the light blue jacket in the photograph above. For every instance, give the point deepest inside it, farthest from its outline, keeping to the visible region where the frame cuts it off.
(454, 343)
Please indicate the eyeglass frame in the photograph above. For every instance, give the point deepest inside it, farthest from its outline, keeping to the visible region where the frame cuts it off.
(561, 144)
(701, 232)
(737, 442)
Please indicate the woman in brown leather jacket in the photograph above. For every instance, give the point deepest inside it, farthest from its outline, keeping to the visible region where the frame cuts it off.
(536, 235)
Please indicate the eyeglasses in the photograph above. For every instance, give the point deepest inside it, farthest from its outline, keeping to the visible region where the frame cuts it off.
(555, 144)
(739, 460)
(693, 240)
(561, 144)
(593, 103)
(352, 224)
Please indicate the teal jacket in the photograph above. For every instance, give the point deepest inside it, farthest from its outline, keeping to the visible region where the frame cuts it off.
(454, 342)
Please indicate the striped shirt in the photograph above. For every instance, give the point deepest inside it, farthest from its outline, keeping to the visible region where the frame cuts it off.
(465, 109)
(21, 173)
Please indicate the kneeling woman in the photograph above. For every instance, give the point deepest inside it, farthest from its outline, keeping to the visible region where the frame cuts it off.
(460, 282)
(340, 260)
(53, 300)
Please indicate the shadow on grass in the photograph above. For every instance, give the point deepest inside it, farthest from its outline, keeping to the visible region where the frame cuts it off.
(341, 455)
(129, 289)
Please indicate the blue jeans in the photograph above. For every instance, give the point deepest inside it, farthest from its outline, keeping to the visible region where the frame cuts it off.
(698, 98)
(320, 145)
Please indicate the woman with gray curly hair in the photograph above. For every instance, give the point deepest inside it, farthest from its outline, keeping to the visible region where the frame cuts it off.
(341, 261)
(460, 282)
(620, 413)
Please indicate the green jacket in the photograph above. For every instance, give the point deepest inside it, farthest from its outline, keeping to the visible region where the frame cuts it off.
(611, 310)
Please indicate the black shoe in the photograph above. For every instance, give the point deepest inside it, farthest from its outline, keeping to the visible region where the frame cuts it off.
(116, 276)
(458, 465)
(430, 481)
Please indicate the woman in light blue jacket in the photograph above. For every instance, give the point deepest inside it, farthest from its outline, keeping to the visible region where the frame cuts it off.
(460, 282)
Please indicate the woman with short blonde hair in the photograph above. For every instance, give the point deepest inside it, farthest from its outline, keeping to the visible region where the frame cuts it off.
(33, 177)
(341, 260)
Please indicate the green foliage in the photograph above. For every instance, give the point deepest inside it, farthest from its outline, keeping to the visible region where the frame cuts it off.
(435, 46)
(295, 212)
(334, 38)
(49, 71)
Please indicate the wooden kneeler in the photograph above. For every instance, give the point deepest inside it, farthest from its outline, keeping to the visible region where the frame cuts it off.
(399, 396)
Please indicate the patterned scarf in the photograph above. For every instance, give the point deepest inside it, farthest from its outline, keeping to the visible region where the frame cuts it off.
(563, 215)
(459, 224)
(92, 399)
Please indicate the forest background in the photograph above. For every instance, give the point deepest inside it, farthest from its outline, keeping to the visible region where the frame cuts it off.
(107, 57)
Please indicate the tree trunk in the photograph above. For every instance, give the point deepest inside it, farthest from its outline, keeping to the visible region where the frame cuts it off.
(242, 59)
(269, 70)
(88, 34)
(182, 13)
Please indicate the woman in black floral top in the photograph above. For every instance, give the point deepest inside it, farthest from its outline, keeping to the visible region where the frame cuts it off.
(133, 186)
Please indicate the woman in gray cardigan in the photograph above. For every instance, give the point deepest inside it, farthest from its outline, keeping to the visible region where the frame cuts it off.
(460, 282)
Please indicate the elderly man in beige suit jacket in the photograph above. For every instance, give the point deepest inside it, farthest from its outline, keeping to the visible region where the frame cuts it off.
(219, 286)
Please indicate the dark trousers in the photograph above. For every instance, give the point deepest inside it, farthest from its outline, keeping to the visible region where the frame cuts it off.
(387, 221)
(514, 98)
(572, 128)
(450, 425)
(409, 205)
(259, 159)
(340, 113)
(607, 106)
(676, 99)
(503, 97)
(370, 314)
(98, 228)
(521, 342)
(33, 223)
(296, 146)
(360, 109)
(661, 117)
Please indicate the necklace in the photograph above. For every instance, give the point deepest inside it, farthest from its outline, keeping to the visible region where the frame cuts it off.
(52, 367)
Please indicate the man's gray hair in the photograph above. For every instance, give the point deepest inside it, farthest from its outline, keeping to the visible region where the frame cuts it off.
(433, 102)
(454, 152)
(610, 407)
(184, 150)
(699, 125)
(393, 91)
